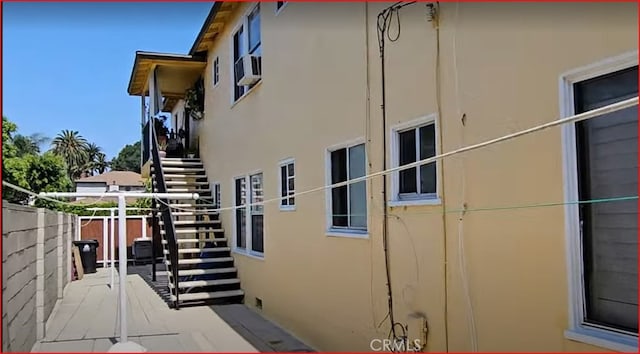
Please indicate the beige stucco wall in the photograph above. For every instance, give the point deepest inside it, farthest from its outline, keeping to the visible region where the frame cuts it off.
(321, 87)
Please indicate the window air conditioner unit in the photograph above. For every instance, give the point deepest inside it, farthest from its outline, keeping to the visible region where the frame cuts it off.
(248, 70)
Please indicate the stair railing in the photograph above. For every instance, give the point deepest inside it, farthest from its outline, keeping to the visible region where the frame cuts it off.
(167, 218)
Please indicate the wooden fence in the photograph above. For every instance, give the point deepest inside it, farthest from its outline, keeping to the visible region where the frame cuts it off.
(94, 228)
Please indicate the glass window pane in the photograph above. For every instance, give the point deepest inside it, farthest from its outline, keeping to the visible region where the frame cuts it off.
(607, 168)
(428, 178)
(241, 231)
(241, 236)
(292, 201)
(408, 180)
(291, 169)
(240, 191)
(254, 30)
(256, 192)
(339, 206)
(357, 163)
(605, 90)
(407, 144)
(358, 205)
(338, 166)
(292, 186)
(283, 182)
(427, 141)
(257, 233)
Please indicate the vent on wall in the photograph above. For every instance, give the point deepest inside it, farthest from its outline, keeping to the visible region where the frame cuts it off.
(259, 303)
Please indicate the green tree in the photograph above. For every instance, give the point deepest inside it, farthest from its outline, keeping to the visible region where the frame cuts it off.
(41, 141)
(8, 128)
(101, 163)
(23, 166)
(128, 159)
(73, 148)
(92, 156)
(37, 173)
(25, 145)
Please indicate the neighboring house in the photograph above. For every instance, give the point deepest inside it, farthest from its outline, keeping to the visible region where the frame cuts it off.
(553, 278)
(110, 181)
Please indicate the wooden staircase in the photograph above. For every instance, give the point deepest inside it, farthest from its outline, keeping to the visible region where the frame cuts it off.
(206, 271)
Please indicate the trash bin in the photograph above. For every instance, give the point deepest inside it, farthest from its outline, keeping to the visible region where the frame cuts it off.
(88, 254)
(141, 250)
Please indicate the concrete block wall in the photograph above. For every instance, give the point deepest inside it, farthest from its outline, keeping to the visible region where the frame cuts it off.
(35, 269)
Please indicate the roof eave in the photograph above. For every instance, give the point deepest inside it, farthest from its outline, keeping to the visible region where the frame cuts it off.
(217, 5)
(155, 58)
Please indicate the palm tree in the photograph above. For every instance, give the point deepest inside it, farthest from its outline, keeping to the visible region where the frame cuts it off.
(29, 145)
(101, 163)
(73, 148)
(40, 140)
(25, 145)
(93, 154)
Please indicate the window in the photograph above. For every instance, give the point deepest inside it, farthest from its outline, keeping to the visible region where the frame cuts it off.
(415, 141)
(216, 195)
(601, 162)
(280, 5)
(216, 71)
(287, 184)
(246, 40)
(607, 156)
(249, 220)
(348, 204)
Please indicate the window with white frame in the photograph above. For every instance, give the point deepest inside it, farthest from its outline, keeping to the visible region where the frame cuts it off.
(246, 40)
(249, 220)
(348, 204)
(216, 195)
(287, 184)
(414, 142)
(604, 155)
(280, 5)
(216, 71)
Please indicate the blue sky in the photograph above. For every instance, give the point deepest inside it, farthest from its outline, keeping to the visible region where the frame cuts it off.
(67, 65)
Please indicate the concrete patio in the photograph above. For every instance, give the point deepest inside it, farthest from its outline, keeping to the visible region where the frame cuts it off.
(86, 320)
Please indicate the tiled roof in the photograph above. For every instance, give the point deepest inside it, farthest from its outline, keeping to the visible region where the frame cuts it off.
(121, 178)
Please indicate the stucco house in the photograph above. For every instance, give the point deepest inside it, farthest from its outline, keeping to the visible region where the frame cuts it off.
(524, 245)
(110, 181)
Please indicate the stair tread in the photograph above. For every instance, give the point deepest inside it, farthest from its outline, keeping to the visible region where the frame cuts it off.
(193, 222)
(196, 240)
(179, 158)
(208, 295)
(202, 260)
(189, 190)
(206, 249)
(195, 283)
(194, 231)
(191, 213)
(188, 272)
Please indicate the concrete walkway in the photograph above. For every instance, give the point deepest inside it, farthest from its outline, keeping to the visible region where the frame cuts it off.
(86, 320)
